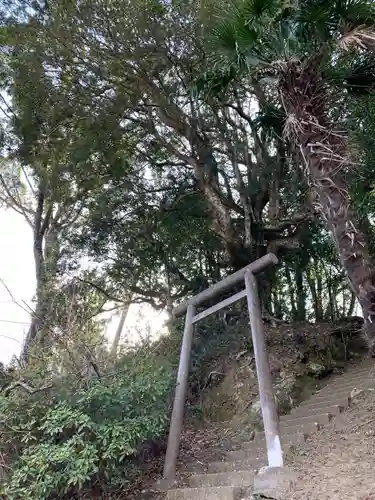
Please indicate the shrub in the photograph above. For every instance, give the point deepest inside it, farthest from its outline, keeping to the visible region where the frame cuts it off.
(68, 439)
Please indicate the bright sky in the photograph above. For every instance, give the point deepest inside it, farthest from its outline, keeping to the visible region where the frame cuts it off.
(17, 272)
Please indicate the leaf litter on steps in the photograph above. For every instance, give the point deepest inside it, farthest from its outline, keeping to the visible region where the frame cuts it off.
(337, 463)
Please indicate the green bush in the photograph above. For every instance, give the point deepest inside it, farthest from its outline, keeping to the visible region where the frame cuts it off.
(65, 444)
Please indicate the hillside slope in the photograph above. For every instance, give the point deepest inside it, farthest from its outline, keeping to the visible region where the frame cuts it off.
(304, 358)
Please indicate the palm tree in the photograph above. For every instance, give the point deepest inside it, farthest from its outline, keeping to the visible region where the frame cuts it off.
(306, 48)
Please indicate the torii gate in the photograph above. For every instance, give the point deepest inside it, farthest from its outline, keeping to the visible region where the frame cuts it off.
(267, 400)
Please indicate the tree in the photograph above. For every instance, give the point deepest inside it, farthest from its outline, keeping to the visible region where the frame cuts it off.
(220, 146)
(44, 178)
(305, 46)
(174, 189)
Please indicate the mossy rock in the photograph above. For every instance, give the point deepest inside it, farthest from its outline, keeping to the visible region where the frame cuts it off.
(318, 369)
(255, 414)
(232, 395)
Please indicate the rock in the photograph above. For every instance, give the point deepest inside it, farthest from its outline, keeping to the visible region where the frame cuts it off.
(316, 369)
(255, 412)
(284, 390)
(287, 381)
(256, 408)
(356, 392)
(276, 365)
(359, 393)
(274, 482)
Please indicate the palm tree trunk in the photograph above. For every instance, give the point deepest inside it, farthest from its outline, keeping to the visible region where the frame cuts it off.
(327, 157)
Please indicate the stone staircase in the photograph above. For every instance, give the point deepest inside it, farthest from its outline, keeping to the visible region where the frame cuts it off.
(234, 475)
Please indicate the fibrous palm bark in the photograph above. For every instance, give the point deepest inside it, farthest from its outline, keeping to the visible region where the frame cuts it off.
(327, 158)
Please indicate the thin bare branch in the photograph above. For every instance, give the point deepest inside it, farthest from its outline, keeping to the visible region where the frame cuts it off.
(26, 387)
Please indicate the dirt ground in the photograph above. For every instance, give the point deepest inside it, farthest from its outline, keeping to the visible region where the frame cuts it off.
(338, 462)
(199, 446)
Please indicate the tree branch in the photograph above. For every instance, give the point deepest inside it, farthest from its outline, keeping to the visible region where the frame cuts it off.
(278, 227)
(26, 387)
(15, 204)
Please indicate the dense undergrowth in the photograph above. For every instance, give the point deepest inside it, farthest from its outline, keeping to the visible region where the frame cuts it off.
(69, 438)
(90, 433)
(68, 433)
(69, 429)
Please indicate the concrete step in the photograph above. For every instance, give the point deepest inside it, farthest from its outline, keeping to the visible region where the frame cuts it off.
(327, 400)
(319, 418)
(257, 452)
(331, 393)
(363, 370)
(252, 447)
(291, 435)
(315, 405)
(260, 447)
(328, 397)
(350, 382)
(243, 478)
(227, 479)
(252, 464)
(302, 412)
(349, 386)
(340, 390)
(358, 378)
(218, 493)
(234, 456)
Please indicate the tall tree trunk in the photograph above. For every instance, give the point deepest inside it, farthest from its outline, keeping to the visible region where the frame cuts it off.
(46, 254)
(45, 276)
(301, 296)
(40, 277)
(120, 327)
(318, 307)
(223, 226)
(352, 304)
(291, 292)
(277, 306)
(319, 292)
(327, 158)
(331, 307)
(301, 265)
